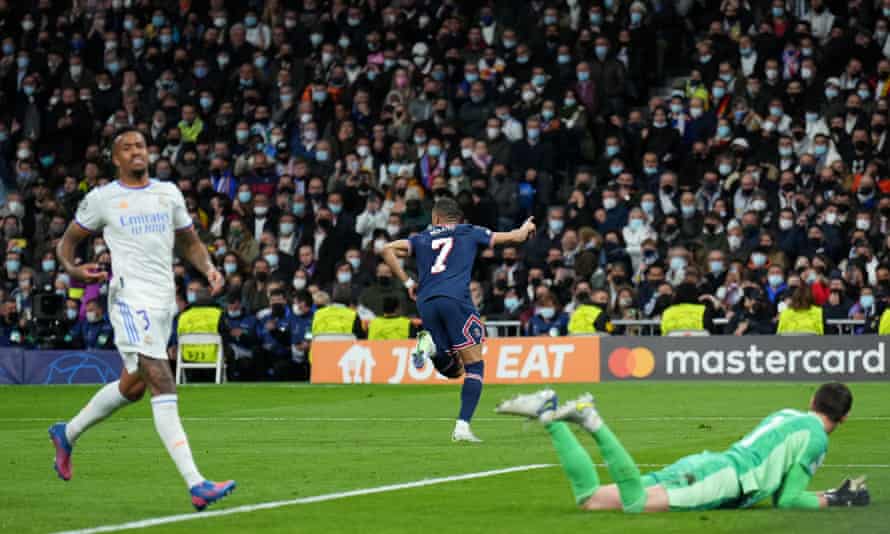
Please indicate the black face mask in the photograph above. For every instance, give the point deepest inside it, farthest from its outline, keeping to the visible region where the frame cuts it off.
(668, 189)
(866, 191)
(535, 282)
(278, 310)
(325, 224)
(384, 281)
(788, 187)
(262, 276)
(860, 145)
(509, 262)
(670, 228)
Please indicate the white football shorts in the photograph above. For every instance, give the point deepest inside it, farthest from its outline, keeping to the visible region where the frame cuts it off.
(140, 330)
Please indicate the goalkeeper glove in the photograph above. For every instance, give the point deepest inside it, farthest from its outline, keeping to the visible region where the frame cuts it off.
(851, 492)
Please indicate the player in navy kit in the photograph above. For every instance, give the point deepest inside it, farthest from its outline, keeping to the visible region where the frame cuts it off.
(445, 253)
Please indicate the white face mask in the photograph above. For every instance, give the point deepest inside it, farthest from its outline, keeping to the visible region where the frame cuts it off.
(299, 283)
(786, 224)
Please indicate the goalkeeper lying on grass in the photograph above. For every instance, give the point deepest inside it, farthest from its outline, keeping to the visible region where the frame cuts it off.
(777, 459)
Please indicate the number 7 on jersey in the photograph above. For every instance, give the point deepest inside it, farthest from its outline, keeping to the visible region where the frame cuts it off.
(443, 245)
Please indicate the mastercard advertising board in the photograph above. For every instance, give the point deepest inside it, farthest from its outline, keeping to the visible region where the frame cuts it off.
(512, 360)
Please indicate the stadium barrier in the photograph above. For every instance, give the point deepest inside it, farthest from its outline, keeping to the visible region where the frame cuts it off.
(649, 327)
(515, 360)
(19, 366)
(547, 360)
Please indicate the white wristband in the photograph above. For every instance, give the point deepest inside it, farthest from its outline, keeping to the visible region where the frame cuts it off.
(409, 283)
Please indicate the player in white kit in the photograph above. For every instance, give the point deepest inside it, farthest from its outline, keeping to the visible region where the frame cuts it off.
(141, 220)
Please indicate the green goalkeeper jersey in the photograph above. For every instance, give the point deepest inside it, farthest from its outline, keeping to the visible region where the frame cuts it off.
(765, 456)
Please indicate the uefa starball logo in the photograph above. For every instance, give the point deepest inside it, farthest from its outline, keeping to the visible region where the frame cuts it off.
(638, 362)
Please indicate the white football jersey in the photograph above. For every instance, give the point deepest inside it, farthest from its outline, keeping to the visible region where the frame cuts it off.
(139, 226)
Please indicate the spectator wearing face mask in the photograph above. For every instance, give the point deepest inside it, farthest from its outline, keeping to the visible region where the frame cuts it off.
(240, 336)
(93, 332)
(547, 319)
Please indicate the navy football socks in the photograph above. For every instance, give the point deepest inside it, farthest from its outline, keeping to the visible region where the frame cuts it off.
(471, 391)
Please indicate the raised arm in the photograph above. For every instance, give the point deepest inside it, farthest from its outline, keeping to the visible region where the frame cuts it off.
(193, 250)
(87, 272)
(394, 250)
(517, 236)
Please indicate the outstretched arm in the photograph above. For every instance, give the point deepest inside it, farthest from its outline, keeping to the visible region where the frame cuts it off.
(88, 272)
(794, 494)
(193, 250)
(394, 250)
(517, 236)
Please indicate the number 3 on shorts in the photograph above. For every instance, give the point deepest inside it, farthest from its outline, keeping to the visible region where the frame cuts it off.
(443, 245)
(144, 315)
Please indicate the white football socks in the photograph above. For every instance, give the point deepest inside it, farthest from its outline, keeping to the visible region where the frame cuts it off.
(104, 403)
(166, 415)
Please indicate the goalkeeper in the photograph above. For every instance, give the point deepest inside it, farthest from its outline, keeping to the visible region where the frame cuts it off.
(777, 459)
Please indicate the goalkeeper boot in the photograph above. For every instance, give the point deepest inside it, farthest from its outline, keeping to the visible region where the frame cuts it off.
(207, 493)
(581, 411)
(62, 464)
(423, 349)
(462, 432)
(537, 405)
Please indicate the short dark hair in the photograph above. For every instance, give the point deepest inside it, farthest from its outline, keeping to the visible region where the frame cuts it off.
(123, 131)
(449, 209)
(686, 293)
(833, 400)
(390, 304)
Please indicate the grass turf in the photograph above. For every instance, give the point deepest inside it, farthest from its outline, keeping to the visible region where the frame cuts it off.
(282, 442)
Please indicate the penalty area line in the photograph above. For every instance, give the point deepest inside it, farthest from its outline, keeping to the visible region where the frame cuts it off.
(145, 523)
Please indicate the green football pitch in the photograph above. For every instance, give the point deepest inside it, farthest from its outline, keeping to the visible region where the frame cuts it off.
(293, 442)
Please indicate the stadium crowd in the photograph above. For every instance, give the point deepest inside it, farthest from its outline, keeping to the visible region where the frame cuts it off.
(737, 146)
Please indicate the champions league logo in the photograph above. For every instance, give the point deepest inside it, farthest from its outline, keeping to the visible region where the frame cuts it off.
(79, 368)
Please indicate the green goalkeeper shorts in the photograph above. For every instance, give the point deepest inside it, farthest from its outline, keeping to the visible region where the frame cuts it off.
(699, 482)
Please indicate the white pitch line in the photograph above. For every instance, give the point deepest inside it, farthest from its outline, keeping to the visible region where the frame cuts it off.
(145, 523)
(266, 419)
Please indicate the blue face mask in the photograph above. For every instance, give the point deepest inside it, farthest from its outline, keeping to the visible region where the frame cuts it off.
(601, 51)
(546, 313)
(820, 150)
(723, 130)
(867, 301)
(636, 17)
(206, 102)
(615, 169)
(230, 268)
(190, 297)
(244, 196)
(511, 303)
(47, 161)
(472, 77)
(563, 59)
(336, 208)
(321, 155)
(648, 206)
(435, 151)
(48, 265)
(718, 92)
(157, 20)
(556, 225)
(596, 19)
(547, 114)
(71, 314)
(298, 209)
(13, 265)
(583, 76)
(539, 80)
(455, 170)
(716, 266)
(271, 259)
(611, 150)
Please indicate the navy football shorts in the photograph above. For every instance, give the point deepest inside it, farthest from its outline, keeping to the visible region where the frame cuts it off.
(453, 324)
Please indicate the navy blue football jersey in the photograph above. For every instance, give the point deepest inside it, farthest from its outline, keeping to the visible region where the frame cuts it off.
(445, 256)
